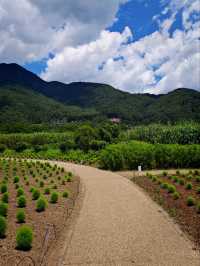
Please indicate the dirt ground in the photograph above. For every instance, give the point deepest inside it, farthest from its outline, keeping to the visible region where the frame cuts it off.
(47, 226)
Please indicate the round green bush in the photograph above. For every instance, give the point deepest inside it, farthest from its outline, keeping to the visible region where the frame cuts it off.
(21, 202)
(20, 192)
(41, 184)
(165, 173)
(181, 181)
(188, 186)
(24, 238)
(21, 216)
(176, 195)
(197, 179)
(3, 209)
(190, 201)
(41, 205)
(4, 188)
(65, 194)
(35, 194)
(16, 179)
(31, 189)
(175, 179)
(198, 190)
(5, 197)
(164, 185)
(189, 177)
(171, 189)
(47, 191)
(198, 207)
(3, 226)
(54, 197)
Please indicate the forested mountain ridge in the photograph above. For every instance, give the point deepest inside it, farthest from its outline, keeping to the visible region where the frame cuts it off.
(101, 100)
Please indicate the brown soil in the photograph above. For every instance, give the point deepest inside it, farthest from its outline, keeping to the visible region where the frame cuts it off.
(186, 217)
(47, 226)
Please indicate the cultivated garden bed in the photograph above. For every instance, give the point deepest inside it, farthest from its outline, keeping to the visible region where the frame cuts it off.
(179, 195)
(35, 201)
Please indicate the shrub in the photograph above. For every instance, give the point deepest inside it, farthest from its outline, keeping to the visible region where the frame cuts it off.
(16, 179)
(4, 188)
(197, 179)
(198, 207)
(5, 197)
(68, 178)
(154, 179)
(55, 187)
(164, 185)
(175, 179)
(177, 172)
(24, 238)
(196, 172)
(65, 194)
(41, 184)
(198, 190)
(3, 226)
(188, 186)
(189, 177)
(21, 202)
(181, 181)
(47, 191)
(165, 173)
(31, 189)
(190, 201)
(20, 192)
(176, 195)
(35, 194)
(171, 189)
(54, 197)
(21, 216)
(41, 205)
(3, 209)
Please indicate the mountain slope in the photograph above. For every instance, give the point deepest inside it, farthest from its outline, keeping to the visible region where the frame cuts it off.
(26, 106)
(181, 104)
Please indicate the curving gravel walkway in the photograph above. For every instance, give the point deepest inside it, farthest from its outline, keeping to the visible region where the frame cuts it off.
(118, 224)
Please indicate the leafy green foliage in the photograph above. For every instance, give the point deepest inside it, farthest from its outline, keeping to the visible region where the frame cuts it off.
(21, 216)
(41, 205)
(54, 197)
(3, 209)
(21, 202)
(24, 238)
(3, 226)
(130, 155)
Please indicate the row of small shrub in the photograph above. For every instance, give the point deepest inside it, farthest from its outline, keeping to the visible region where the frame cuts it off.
(171, 189)
(129, 155)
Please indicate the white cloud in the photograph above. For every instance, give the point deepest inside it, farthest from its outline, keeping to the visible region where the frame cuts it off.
(30, 29)
(84, 51)
(157, 63)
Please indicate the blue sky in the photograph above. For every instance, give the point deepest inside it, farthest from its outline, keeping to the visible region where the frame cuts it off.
(136, 14)
(135, 45)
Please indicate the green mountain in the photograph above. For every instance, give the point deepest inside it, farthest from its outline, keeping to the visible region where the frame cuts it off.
(21, 105)
(36, 100)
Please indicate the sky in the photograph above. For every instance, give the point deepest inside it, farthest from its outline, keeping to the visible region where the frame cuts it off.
(139, 46)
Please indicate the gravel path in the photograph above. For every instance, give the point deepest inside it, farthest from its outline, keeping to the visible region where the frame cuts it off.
(117, 224)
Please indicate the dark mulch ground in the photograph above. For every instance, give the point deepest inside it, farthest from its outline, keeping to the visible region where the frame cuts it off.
(186, 217)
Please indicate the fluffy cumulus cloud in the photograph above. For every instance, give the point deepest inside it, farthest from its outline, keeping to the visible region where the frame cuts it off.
(31, 29)
(74, 31)
(158, 63)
